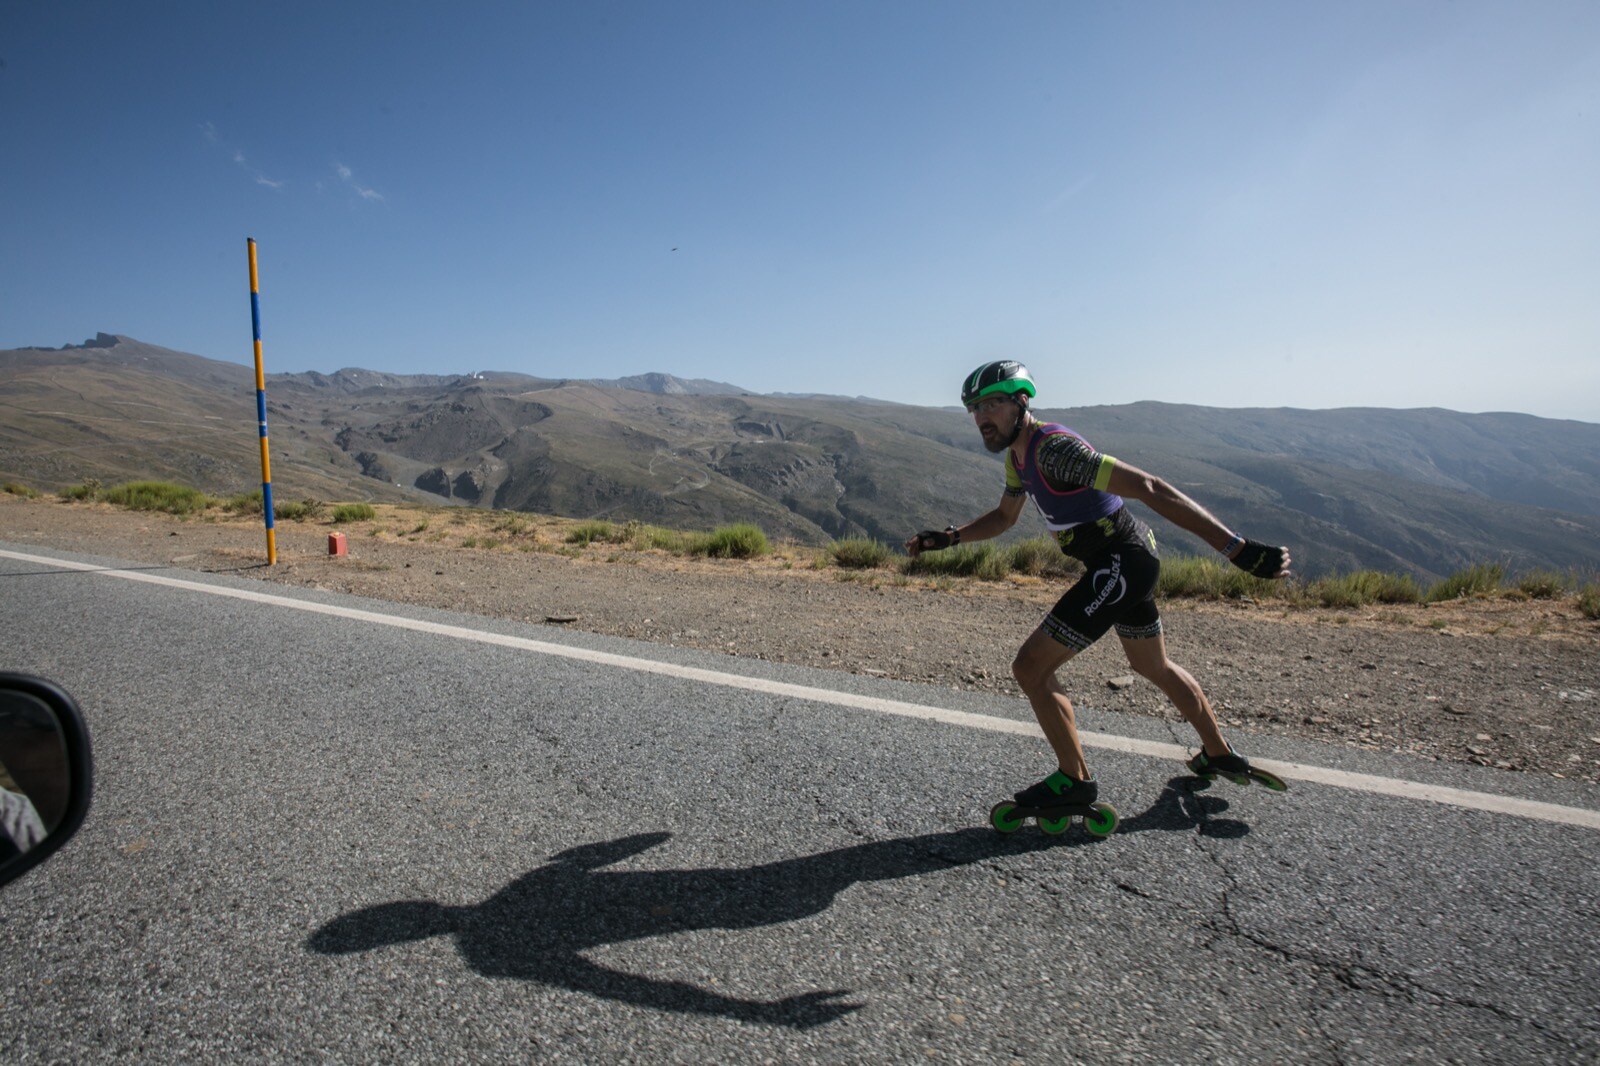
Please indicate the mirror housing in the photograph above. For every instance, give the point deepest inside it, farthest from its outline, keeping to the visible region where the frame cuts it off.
(46, 772)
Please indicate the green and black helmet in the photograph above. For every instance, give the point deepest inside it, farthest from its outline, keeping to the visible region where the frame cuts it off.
(1007, 377)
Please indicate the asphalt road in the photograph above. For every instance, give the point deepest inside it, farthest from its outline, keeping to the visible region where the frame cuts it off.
(318, 836)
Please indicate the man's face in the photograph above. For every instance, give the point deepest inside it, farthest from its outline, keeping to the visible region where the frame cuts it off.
(996, 418)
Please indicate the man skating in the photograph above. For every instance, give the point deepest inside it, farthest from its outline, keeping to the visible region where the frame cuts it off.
(1080, 493)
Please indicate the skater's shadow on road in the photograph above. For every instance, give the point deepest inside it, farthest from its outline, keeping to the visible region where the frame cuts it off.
(538, 927)
(1181, 807)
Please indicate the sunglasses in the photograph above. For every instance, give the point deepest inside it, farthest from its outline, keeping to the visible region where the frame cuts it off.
(987, 406)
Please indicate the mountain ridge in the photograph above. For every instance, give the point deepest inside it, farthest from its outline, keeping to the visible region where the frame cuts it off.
(1425, 490)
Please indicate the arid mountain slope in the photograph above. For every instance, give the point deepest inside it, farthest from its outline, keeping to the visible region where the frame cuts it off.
(1423, 491)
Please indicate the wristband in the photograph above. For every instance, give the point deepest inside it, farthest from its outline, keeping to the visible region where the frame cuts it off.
(955, 535)
(1228, 549)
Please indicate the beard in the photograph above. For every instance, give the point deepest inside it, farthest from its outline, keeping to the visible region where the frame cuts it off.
(997, 443)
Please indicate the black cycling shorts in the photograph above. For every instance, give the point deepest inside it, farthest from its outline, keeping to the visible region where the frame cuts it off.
(1117, 588)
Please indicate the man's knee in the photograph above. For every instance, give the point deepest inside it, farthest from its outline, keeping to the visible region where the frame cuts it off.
(1155, 671)
(1027, 671)
(1037, 662)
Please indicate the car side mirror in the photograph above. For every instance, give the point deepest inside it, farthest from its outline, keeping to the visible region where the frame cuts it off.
(46, 772)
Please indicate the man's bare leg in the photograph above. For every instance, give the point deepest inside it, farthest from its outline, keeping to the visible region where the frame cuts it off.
(1035, 670)
(1148, 657)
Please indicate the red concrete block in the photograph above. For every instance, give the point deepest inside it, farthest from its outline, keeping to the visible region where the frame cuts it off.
(337, 545)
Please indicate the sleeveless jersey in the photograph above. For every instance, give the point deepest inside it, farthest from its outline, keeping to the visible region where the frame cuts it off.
(1067, 480)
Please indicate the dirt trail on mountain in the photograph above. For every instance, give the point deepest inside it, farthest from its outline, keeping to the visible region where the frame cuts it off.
(1515, 685)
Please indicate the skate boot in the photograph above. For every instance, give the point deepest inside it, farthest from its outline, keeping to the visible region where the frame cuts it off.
(1234, 767)
(1053, 803)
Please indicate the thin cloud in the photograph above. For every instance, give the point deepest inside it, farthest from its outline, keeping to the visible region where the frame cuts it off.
(347, 176)
(209, 131)
(261, 179)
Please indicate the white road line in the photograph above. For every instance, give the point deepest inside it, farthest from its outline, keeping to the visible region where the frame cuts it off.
(1455, 797)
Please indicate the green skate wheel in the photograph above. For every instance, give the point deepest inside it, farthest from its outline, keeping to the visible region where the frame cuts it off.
(1103, 822)
(1238, 779)
(1001, 816)
(1054, 827)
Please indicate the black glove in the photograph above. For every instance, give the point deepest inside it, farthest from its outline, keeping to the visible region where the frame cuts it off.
(1261, 560)
(930, 540)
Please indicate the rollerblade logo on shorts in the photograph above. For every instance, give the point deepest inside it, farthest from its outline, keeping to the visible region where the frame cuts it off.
(1107, 582)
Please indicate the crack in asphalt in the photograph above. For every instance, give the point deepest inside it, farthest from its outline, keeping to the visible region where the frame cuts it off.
(1355, 976)
(1223, 922)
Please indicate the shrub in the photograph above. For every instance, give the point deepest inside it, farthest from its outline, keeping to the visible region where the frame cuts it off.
(739, 541)
(667, 540)
(993, 565)
(354, 512)
(158, 496)
(1189, 577)
(961, 561)
(1039, 557)
(1397, 588)
(1364, 587)
(305, 511)
(89, 490)
(1589, 601)
(16, 489)
(586, 533)
(512, 524)
(1543, 585)
(859, 553)
(1479, 580)
(243, 503)
(1198, 578)
(635, 535)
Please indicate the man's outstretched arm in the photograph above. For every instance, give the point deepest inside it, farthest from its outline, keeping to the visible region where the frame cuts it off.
(991, 524)
(1262, 560)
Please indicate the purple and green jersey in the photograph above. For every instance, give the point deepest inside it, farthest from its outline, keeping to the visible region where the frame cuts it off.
(1067, 479)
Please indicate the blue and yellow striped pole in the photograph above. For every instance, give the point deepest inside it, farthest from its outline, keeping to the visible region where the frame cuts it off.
(261, 406)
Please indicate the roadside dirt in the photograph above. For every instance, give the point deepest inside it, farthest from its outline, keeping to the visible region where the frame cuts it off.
(1503, 683)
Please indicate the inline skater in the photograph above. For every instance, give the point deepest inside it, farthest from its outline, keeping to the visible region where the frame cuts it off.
(1080, 493)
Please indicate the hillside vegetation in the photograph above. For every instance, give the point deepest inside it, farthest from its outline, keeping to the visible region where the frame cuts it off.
(1182, 577)
(1420, 493)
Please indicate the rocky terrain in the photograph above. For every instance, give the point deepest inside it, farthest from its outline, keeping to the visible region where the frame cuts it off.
(1503, 683)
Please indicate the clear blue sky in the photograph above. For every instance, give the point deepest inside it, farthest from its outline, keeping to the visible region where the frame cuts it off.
(1236, 204)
